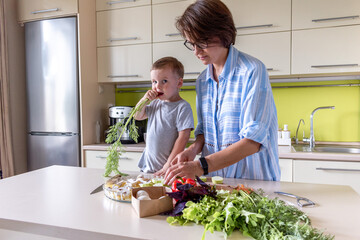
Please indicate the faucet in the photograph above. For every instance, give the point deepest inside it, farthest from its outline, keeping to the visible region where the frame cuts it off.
(312, 137)
(297, 130)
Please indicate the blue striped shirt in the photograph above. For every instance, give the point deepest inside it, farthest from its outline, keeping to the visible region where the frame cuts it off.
(240, 106)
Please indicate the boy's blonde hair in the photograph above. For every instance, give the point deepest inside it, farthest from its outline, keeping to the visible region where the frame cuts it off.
(171, 62)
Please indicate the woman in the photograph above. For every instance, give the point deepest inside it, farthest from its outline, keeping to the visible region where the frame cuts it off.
(237, 120)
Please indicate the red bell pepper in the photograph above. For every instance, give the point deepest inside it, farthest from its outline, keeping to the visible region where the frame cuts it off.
(182, 181)
(175, 184)
(190, 181)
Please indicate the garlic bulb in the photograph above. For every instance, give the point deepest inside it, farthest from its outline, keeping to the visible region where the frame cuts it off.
(141, 193)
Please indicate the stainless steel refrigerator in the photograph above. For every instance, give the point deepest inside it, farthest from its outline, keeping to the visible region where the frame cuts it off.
(52, 93)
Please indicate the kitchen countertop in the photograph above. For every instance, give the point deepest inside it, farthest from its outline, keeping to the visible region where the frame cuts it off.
(284, 152)
(55, 202)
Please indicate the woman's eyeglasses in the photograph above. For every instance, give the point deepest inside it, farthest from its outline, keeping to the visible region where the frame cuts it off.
(191, 46)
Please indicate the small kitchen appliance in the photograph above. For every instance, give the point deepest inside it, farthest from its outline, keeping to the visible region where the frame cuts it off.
(120, 113)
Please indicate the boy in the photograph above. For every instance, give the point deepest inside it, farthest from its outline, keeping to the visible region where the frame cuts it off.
(170, 118)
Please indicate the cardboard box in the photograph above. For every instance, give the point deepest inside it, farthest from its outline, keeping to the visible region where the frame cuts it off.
(145, 208)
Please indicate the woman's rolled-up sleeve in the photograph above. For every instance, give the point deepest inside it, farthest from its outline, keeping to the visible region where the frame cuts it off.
(257, 109)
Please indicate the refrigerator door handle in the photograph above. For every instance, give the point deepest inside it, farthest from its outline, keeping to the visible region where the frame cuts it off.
(52, 133)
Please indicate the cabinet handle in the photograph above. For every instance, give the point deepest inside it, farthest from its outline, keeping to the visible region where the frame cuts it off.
(122, 39)
(172, 34)
(338, 169)
(255, 26)
(101, 157)
(121, 1)
(46, 10)
(334, 18)
(188, 73)
(336, 65)
(270, 69)
(121, 76)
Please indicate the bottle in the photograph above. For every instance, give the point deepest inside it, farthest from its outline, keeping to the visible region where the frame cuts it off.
(285, 134)
(279, 133)
(97, 132)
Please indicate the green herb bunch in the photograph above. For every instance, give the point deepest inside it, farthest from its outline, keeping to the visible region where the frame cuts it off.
(114, 135)
(253, 214)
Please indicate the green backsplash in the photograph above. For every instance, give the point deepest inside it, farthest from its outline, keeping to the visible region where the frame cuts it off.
(341, 124)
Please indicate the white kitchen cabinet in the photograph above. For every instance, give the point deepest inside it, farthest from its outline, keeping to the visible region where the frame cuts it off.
(328, 172)
(286, 167)
(124, 26)
(273, 49)
(326, 50)
(165, 1)
(324, 13)
(115, 4)
(97, 159)
(130, 63)
(192, 65)
(257, 16)
(40, 9)
(164, 16)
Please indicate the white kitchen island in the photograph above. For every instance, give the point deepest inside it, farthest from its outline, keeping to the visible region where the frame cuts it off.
(55, 203)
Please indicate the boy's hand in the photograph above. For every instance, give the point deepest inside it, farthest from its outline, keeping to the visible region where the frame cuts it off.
(151, 95)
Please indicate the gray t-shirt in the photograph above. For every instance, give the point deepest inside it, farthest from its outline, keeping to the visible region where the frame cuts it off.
(165, 121)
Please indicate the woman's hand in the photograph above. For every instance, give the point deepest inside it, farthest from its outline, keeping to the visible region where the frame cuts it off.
(183, 169)
(185, 156)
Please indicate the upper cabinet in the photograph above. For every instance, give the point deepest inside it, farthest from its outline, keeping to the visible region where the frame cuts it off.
(108, 4)
(164, 17)
(273, 49)
(291, 37)
(326, 50)
(259, 16)
(325, 37)
(130, 63)
(124, 41)
(324, 13)
(124, 26)
(264, 30)
(40, 9)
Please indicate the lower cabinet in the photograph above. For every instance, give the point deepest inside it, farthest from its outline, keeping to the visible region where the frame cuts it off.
(328, 172)
(97, 159)
(286, 168)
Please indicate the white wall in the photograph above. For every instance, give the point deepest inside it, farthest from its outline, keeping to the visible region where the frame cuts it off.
(16, 54)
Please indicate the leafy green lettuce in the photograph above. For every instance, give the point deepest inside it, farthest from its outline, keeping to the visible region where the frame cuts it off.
(253, 214)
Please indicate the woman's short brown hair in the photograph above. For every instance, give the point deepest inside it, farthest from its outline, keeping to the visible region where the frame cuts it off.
(206, 19)
(176, 66)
